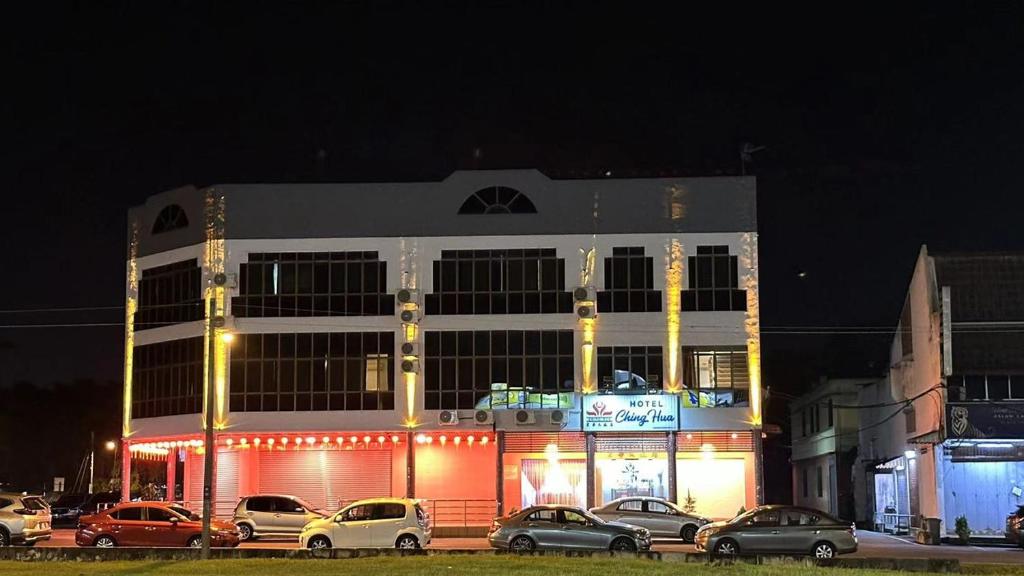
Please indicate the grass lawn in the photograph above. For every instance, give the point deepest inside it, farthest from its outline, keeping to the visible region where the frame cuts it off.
(435, 566)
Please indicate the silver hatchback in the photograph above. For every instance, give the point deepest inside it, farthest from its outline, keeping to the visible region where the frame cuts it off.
(663, 518)
(779, 530)
(564, 527)
(273, 515)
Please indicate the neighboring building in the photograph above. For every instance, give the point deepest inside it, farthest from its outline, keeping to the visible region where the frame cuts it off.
(955, 396)
(824, 426)
(500, 387)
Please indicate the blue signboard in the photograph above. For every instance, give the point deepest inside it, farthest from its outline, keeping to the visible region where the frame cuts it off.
(630, 413)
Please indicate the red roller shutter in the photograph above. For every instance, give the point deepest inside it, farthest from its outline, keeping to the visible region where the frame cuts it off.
(326, 477)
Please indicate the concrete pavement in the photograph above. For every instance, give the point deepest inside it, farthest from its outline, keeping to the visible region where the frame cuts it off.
(872, 545)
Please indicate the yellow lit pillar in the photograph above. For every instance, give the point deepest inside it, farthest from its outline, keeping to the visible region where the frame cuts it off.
(752, 326)
(673, 307)
(215, 376)
(131, 305)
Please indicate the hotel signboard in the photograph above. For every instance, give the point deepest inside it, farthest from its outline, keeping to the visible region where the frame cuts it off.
(630, 413)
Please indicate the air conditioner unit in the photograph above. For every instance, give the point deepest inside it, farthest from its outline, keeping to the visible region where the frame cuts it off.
(448, 418)
(584, 294)
(409, 316)
(483, 417)
(586, 312)
(410, 366)
(524, 417)
(557, 417)
(410, 349)
(408, 296)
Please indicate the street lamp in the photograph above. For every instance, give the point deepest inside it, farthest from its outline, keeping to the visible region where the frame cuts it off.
(110, 445)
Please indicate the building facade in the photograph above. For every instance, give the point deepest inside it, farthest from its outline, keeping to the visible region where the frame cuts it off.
(487, 342)
(946, 438)
(824, 424)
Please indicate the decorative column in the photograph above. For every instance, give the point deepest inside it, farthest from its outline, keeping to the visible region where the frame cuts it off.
(172, 468)
(591, 476)
(126, 471)
(410, 465)
(499, 466)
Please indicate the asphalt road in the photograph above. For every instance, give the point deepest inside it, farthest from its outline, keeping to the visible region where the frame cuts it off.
(872, 545)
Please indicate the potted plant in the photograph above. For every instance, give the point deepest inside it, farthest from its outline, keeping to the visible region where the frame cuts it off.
(963, 531)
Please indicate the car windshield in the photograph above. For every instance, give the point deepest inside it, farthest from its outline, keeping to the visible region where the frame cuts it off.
(592, 518)
(743, 516)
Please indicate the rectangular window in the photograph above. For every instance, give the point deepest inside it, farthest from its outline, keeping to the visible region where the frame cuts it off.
(528, 281)
(629, 282)
(313, 284)
(377, 373)
(530, 369)
(713, 282)
(629, 369)
(312, 371)
(821, 483)
(716, 377)
(167, 378)
(170, 294)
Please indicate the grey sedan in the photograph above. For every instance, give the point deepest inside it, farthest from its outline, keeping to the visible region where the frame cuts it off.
(663, 518)
(779, 530)
(564, 527)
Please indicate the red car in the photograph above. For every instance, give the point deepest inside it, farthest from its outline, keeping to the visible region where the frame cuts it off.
(157, 524)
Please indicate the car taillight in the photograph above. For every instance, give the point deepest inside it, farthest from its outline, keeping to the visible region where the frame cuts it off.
(852, 530)
(494, 527)
(24, 512)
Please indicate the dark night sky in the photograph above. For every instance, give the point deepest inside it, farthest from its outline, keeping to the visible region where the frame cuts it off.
(887, 126)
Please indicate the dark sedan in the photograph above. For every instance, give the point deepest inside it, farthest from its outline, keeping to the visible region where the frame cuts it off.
(779, 530)
(564, 527)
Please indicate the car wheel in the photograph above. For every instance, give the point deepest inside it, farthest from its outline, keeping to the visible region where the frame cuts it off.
(623, 545)
(5, 540)
(105, 542)
(244, 532)
(195, 542)
(824, 550)
(319, 543)
(727, 548)
(522, 544)
(407, 542)
(688, 533)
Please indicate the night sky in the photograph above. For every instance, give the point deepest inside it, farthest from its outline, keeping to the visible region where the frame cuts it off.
(886, 126)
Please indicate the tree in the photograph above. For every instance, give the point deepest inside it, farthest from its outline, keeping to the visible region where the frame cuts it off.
(690, 504)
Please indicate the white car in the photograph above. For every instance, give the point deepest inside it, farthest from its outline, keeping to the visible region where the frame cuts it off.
(373, 523)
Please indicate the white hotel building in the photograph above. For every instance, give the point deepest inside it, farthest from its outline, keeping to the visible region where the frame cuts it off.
(565, 341)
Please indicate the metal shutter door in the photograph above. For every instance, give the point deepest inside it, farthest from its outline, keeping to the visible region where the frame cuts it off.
(326, 477)
(226, 490)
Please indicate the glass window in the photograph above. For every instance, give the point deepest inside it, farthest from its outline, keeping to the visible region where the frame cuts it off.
(258, 504)
(713, 282)
(377, 373)
(288, 506)
(629, 369)
(768, 518)
(323, 284)
(975, 387)
(170, 294)
(498, 282)
(631, 506)
(572, 517)
(499, 369)
(389, 511)
(715, 377)
(358, 513)
(134, 513)
(998, 387)
(497, 200)
(167, 378)
(655, 507)
(629, 283)
(154, 514)
(543, 516)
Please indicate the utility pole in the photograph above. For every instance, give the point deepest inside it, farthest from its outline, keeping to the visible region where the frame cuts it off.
(92, 458)
(208, 445)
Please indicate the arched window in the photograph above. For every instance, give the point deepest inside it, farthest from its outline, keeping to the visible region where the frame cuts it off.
(170, 218)
(498, 200)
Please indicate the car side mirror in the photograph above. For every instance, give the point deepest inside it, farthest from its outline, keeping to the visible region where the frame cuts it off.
(174, 520)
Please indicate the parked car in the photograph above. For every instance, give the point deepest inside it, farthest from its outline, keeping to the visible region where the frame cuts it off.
(1015, 527)
(150, 524)
(273, 515)
(663, 518)
(23, 519)
(70, 507)
(780, 530)
(374, 523)
(556, 526)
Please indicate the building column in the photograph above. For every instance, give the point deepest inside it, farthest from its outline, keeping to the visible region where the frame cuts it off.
(758, 466)
(126, 471)
(172, 468)
(673, 485)
(410, 465)
(591, 476)
(499, 466)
